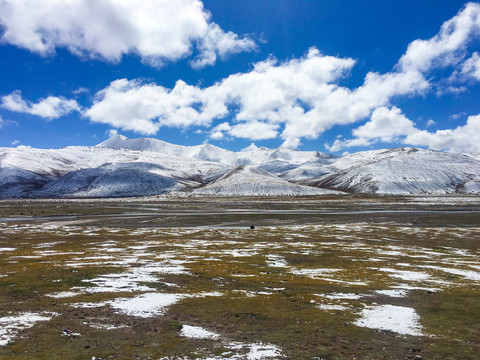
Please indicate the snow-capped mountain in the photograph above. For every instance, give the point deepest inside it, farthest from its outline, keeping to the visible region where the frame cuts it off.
(401, 171)
(144, 166)
(248, 181)
(252, 155)
(78, 171)
(203, 152)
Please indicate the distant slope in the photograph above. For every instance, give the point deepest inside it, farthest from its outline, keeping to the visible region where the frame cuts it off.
(249, 181)
(402, 171)
(28, 172)
(205, 152)
(139, 167)
(115, 180)
(16, 182)
(249, 156)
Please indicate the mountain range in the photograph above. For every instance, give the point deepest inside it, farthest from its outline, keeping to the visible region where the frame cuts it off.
(123, 167)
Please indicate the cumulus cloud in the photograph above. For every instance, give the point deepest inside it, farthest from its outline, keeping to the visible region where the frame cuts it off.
(49, 108)
(463, 139)
(446, 48)
(293, 99)
(296, 99)
(111, 132)
(155, 30)
(471, 67)
(134, 105)
(385, 124)
(217, 43)
(389, 125)
(253, 130)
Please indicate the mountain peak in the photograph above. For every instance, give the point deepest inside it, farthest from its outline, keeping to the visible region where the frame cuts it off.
(113, 141)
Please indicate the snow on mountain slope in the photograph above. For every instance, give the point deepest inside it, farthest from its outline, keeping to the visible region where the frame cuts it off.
(476, 156)
(308, 170)
(205, 152)
(57, 162)
(470, 187)
(138, 167)
(24, 170)
(249, 181)
(262, 156)
(329, 165)
(113, 180)
(401, 171)
(16, 182)
(249, 156)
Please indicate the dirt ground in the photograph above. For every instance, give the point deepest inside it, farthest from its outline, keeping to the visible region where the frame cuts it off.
(316, 278)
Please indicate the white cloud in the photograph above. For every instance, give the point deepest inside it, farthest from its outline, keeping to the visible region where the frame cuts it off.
(430, 122)
(448, 46)
(155, 30)
(80, 91)
(15, 142)
(253, 130)
(296, 99)
(218, 132)
(300, 94)
(291, 143)
(385, 124)
(340, 144)
(458, 115)
(390, 125)
(111, 132)
(2, 123)
(50, 108)
(216, 43)
(471, 67)
(133, 105)
(462, 139)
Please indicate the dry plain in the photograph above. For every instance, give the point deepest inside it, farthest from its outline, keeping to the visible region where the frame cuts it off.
(337, 277)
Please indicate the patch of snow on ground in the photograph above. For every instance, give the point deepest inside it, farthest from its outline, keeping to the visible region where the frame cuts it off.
(120, 282)
(130, 280)
(408, 287)
(263, 351)
(467, 274)
(64, 294)
(10, 326)
(211, 293)
(56, 253)
(252, 293)
(7, 249)
(146, 305)
(106, 326)
(313, 273)
(276, 261)
(332, 307)
(197, 332)
(399, 319)
(396, 293)
(242, 351)
(335, 296)
(406, 275)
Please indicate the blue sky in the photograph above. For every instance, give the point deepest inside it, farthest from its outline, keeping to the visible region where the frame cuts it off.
(334, 76)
